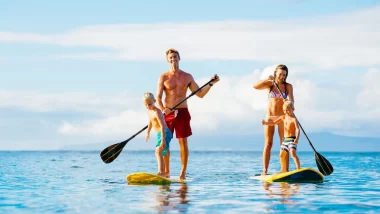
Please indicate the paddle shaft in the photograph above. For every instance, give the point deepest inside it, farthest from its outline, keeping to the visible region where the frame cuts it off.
(278, 88)
(119, 146)
(192, 94)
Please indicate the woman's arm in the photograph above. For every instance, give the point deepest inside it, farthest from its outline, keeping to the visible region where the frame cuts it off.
(290, 97)
(264, 84)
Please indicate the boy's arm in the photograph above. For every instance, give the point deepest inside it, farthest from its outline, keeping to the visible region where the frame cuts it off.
(273, 118)
(273, 122)
(149, 127)
(297, 131)
(148, 131)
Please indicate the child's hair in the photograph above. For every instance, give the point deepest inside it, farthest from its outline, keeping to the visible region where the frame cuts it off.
(288, 104)
(148, 96)
(172, 50)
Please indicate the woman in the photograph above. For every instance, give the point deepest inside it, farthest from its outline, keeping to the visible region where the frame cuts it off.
(275, 102)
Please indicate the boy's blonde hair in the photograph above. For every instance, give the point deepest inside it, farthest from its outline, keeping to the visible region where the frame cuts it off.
(172, 50)
(289, 104)
(148, 96)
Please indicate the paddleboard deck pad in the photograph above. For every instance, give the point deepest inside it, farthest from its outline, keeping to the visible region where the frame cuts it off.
(148, 178)
(304, 175)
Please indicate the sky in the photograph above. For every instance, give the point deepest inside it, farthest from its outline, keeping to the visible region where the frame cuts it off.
(74, 72)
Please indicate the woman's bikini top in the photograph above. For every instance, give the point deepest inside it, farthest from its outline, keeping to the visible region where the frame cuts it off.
(273, 94)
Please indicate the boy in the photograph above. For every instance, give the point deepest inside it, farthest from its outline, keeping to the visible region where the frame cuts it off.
(292, 132)
(156, 120)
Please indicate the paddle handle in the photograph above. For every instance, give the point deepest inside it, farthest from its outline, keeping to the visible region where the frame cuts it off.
(192, 94)
(278, 88)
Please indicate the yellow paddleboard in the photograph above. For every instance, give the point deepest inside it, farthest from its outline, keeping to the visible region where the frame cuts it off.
(148, 178)
(308, 175)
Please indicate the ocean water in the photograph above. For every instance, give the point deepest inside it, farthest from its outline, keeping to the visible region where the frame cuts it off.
(79, 182)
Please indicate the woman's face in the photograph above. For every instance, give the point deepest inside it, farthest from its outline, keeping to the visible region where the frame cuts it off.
(280, 75)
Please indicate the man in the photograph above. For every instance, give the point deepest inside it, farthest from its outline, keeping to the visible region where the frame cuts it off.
(175, 83)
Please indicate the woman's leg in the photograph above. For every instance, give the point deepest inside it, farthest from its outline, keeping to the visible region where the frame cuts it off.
(268, 142)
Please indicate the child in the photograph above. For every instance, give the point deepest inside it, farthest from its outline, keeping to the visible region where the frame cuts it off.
(291, 131)
(156, 120)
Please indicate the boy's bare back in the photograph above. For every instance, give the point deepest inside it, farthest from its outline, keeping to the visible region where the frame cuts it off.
(154, 117)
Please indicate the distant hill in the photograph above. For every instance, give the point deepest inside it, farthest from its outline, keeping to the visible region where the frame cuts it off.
(321, 142)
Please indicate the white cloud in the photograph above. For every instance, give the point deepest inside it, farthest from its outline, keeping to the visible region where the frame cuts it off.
(233, 106)
(119, 125)
(341, 40)
(368, 99)
(102, 104)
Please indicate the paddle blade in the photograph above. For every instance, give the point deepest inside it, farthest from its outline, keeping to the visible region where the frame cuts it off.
(324, 166)
(110, 153)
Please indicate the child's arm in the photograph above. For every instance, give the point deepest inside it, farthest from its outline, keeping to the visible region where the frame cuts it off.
(273, 118)
(161, 121)
(273, 122)
(148, 131)
(297, 131)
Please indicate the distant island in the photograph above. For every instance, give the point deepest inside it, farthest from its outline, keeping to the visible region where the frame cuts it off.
(321, 141)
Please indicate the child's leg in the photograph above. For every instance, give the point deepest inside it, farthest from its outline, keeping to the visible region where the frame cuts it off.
(167, 164)
(160, 161)
(295, 158)
(281, 133)
(283, 155)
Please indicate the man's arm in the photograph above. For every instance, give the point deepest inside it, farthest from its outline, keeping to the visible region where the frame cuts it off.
(160, 91)
(194, 86)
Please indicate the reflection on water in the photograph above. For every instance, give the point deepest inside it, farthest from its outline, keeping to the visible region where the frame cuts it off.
(282, 190)
(46, 182)
(171, 198)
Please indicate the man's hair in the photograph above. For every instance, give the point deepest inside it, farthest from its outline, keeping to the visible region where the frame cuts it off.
(172, 50)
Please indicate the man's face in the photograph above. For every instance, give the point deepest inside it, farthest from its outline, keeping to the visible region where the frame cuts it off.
(173, 58)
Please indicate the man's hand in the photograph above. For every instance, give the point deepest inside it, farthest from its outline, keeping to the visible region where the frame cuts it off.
(215, 79)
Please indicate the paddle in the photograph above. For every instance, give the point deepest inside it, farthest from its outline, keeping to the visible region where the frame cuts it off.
(110, 153)
(323, 164)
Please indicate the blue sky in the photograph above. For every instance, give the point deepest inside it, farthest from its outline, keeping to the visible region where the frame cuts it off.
(73, 72)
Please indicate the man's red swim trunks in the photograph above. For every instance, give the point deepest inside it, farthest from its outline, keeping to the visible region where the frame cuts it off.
(180, 122)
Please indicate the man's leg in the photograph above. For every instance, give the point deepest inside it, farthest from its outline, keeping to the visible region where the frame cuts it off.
(184, 154)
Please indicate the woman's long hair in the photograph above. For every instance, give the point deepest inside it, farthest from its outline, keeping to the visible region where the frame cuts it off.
(282, 67)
